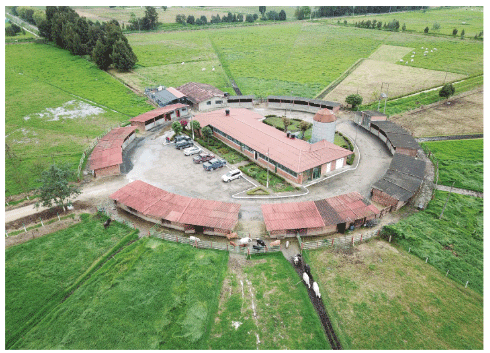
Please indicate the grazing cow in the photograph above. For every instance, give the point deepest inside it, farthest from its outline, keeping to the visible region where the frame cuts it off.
(260, 242)
(233, 243)
(245, 240)
(193, 238)
(257, 247)
(276, 243)
(287, 244)
(242, 245)
(106, 224)
(306, 279)
(296, 260)
(308, 270)
(316, 290)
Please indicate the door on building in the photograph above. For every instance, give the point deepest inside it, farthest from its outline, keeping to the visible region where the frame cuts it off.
(255, 155)
(316, 172)
(329, 165)
(177, 112)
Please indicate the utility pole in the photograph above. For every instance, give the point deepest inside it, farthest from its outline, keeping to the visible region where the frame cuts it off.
(444, 208)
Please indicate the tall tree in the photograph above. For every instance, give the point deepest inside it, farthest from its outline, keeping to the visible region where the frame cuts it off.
(101, 54)
(354, 100)
(286, 122)
(303, 126)
(282, 15)
(447, 91)
(207, 132)
(262, 10)
(122, 56)
(150, 21)
(177, 127)
(55, 188)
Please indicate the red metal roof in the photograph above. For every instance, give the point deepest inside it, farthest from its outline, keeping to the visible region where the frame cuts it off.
(314, 214)
(155, 202)
(108, 151)
(157, 112)
(199, 92)
(295, 154)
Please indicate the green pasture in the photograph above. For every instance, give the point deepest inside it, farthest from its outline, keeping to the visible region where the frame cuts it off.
(383, 297)
(468, 18)
(285, 317)
(460, 162)
(453, 243)
(401, 105)
(152, 295)
(49, 95)
(38, 272)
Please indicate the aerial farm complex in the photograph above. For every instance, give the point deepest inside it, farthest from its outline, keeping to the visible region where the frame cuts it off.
(244, 178)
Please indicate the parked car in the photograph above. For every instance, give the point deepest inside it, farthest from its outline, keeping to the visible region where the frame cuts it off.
(213, 164)
(192, 150)
(231, 175)
(184, 144)
(202, 157)
(181, 138)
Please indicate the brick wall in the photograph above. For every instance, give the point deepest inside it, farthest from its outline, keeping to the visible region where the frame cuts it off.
(383, 198)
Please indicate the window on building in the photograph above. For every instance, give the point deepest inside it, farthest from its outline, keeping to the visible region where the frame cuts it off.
(219, 102)
(208, 102)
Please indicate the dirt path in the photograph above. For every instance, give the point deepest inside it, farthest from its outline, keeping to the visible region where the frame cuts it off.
(460, 191)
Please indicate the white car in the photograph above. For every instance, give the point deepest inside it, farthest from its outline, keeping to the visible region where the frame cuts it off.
(231, 175)
(192, 150)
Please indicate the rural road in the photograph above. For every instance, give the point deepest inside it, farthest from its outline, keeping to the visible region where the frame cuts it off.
(460, 191)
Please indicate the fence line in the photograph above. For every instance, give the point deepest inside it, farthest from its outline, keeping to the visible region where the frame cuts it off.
(35, 226)
(206, 244)
(340, 241)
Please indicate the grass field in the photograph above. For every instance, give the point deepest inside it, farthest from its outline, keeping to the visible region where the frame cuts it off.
(468, 18)
(386, 298)
(151, 295)
(38, 272)
(453, 243)
(261, 307)
(460, 161)
(47, 103)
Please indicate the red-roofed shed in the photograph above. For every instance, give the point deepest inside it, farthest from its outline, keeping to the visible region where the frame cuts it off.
(158, 116)
(106, 157)
(177, 211)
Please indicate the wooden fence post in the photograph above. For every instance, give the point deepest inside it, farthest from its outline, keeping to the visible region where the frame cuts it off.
(58, 216)
(447, 273)
(426, 259)
(7, 234)
(390, 239)
(352, 240)
(25, 230)
(466, 285)
(332, 241)
(41, 221)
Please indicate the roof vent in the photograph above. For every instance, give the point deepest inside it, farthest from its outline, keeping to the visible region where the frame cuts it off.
(227, 112)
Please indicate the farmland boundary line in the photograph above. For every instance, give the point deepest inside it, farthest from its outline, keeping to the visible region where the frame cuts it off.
(339, 80)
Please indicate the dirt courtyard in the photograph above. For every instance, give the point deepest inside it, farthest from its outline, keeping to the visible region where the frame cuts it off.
(463, 115)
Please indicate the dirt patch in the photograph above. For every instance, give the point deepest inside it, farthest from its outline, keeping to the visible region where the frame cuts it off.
(41, 231)
(32, 219)
(463, 115)
(397, 80)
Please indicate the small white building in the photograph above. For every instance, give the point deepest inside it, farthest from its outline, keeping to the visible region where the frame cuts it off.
(203, 96)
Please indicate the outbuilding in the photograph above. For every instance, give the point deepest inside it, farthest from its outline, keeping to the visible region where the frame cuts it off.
(400, 183)
(301, 104)
(174, 211)
(397, 139)
(156, 117)
(321, 217)
(106, 157)
(203, 96)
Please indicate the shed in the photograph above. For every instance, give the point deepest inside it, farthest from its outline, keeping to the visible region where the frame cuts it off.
(156, 117)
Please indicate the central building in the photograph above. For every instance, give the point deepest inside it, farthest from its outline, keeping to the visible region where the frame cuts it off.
(294, 159)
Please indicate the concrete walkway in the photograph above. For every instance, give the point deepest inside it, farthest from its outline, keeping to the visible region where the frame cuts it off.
(460, 191)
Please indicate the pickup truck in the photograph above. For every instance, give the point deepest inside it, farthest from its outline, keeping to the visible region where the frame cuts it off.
(202, 157)
(213, 164)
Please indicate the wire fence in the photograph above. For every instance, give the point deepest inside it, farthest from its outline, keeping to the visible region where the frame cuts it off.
(247, 250)
(343, 242)
(41, 223)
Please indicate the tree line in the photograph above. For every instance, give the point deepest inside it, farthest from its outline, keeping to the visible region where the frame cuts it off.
(305, 12)
(103, 42)
(232, 18)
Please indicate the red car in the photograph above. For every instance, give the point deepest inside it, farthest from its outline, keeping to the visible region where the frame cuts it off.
(202, 157)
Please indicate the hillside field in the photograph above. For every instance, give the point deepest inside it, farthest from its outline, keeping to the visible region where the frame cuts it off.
(38, 272)
(151, 295)
(53, 111)
(261, 306)
(460, 161)
(386, 298)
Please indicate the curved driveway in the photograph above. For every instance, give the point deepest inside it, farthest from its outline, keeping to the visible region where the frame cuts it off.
(159, 164)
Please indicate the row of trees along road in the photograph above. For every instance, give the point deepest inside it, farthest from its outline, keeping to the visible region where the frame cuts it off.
(105, 43)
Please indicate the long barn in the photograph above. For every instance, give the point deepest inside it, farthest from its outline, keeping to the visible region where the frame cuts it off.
(320, 217)
(174, 211)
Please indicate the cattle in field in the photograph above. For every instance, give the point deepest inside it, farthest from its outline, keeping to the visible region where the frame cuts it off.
(297, 260)
(245, 240)
(316, 290)
(233, 243)
(193, 238)
(308, 270)
(260, 242)
(306, 279)
(243, 245)
(106, 223)
(257, 247)
(276, 243)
